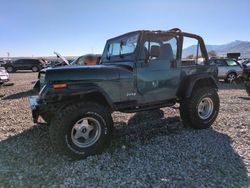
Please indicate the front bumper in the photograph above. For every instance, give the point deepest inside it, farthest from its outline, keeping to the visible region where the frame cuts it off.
(33, 100)
(4, 78)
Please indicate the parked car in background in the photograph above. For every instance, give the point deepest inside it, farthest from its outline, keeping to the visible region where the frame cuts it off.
(246, 63)
(24, 64)
(4, 76)
(2, 62)
(228, 69)
(246, 75)
(60, 61)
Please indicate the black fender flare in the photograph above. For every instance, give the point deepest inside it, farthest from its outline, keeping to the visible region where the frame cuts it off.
(81, 90)
(187, 85)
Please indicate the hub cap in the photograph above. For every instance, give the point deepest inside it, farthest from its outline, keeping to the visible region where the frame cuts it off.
(205, 108)
(86, 132)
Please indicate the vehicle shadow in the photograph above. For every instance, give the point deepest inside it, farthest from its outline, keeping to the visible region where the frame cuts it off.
(18, 95)
(159, 125)
(23, 71)
(245, 98)
(206, 155)
(230, 86)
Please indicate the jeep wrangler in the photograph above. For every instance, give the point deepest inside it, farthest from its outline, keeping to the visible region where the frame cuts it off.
(138, 71)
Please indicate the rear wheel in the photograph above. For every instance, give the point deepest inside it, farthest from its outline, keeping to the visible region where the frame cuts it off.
(34, 69)
(10, 69)
(201, 110)
(81, 130)
(231, 77)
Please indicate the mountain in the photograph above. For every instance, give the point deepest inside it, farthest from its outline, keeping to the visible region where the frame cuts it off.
(242, 47)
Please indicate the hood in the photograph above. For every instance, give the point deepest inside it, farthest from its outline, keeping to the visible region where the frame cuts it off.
(62, 58)
(84, 73)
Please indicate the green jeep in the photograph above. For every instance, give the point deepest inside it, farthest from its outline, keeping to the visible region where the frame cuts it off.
(138, 71)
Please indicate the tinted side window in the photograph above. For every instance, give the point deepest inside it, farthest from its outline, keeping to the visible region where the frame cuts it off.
(18, 61)
(28, 61)
(34, 61)
(221, 62)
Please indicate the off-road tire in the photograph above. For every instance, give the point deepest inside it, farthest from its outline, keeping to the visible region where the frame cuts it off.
(184, 113)
(62, 123)
(189, 108)
(247, 85)
(10, 69)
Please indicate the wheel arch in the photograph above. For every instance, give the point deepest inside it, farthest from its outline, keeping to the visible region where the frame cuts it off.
(88, 94)
(193, 82)
(232, 71)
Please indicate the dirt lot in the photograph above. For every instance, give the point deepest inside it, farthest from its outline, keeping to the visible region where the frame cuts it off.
(148, 149)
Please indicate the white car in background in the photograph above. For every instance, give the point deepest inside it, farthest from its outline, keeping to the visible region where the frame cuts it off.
(229, 69)
(4, 76)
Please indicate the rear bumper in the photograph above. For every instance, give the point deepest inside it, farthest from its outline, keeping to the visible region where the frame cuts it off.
(34, 107)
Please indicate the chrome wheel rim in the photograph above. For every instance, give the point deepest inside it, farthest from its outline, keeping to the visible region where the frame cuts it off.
(205, 108)
(86, 132)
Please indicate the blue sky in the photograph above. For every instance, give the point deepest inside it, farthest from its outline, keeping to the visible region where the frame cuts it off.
(76, 27)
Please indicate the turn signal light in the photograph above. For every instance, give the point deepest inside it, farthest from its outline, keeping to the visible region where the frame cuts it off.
(59, 86)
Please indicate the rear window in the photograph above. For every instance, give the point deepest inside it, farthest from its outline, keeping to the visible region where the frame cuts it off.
(231, 63)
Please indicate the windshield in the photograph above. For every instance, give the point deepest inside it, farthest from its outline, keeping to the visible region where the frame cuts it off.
(121, 47)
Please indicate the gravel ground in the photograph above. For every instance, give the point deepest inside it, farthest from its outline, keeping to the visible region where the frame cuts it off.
(149, 149)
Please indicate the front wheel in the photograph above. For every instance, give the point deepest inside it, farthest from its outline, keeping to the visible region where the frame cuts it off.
(10, 69)
(201, 110)
(81, 130)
